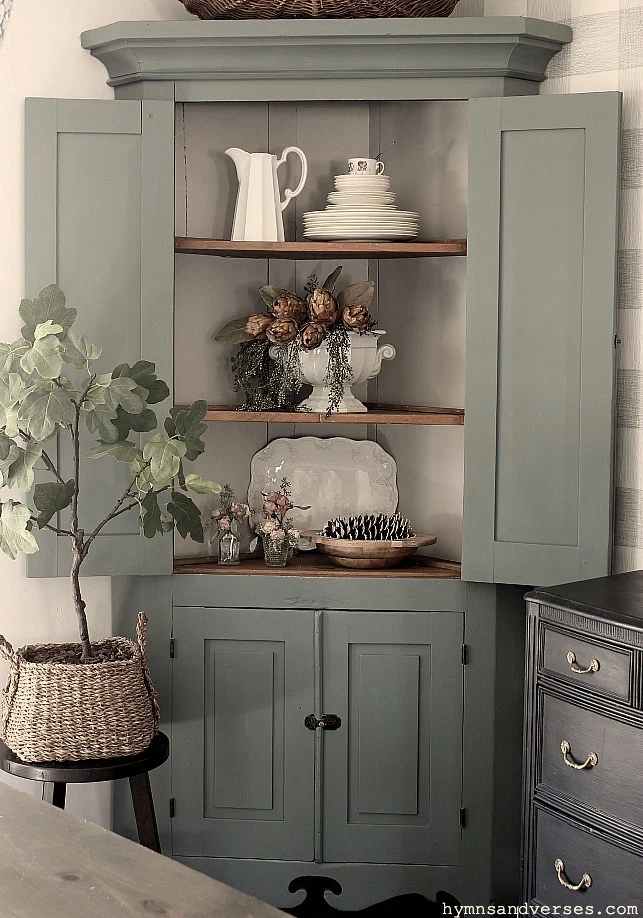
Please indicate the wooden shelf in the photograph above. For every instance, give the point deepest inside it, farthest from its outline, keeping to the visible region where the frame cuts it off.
(376, 414)
(314, 564)
(319, 250)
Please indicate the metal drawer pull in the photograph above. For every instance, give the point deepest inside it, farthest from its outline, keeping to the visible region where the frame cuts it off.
(585, 882)
(592, 668)
(590, 761)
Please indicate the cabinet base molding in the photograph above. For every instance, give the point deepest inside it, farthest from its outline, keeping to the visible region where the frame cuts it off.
(411, 905)
(344, 888)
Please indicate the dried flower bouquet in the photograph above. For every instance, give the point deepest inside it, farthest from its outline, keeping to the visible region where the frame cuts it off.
(270, 378)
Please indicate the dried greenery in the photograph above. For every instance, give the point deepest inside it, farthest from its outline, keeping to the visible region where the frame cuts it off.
(268, 383)
(339, 368)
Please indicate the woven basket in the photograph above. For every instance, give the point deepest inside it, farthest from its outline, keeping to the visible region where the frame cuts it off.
(318, 9)
(66, 712)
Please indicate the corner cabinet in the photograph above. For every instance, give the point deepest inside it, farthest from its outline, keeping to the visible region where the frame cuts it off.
(512, 344)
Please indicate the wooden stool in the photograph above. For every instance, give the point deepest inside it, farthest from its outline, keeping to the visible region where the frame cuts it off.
(55, 777)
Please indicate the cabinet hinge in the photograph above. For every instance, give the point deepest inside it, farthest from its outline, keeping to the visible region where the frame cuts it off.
(465, 655)
(617, 341)
(463, 817)
(172, 807)
(172, 648)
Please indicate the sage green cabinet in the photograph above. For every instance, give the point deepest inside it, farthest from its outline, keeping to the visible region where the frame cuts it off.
(542, 231)
(248, 775)
(242, 760)
(99, 217)
(391, 774)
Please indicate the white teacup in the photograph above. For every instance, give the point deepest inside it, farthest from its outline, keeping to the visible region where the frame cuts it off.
(359, 165)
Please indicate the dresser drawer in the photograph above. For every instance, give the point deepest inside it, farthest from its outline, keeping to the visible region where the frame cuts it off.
(595, 666)
(616, 875)
(614, 783)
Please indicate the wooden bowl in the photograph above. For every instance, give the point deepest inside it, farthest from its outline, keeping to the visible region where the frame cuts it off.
(368, 554)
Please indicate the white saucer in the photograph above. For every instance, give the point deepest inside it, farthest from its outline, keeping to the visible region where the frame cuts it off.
(320, 223)
(361, 177)
(376, 210)
(359, 235)
(327, 224)
(363, 187)
(351, 198)
(358, 212)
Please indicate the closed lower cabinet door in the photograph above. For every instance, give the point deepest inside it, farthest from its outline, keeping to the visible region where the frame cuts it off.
(392, 773)
(242, 760)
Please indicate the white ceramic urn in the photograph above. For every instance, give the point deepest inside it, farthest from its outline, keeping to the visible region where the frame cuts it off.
(365, 357)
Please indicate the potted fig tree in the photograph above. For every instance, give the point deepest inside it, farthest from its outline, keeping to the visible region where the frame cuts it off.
(66, 702)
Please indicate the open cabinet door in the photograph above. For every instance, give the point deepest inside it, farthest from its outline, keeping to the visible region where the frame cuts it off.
(542, 215)
(99, 180)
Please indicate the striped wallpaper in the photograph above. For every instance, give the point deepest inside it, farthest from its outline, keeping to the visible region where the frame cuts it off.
(607, 53)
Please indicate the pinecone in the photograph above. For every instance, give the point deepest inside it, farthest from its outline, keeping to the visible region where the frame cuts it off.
(289, 306)
(372, 528)
(257, 324)
(312, 335)
(282, 331)
(322, 307)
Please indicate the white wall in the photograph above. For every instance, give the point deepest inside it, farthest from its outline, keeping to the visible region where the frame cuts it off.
(41, 56)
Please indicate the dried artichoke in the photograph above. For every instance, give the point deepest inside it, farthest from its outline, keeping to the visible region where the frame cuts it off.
(257, 324)
(289, 306)
(312, 335)
(357, 318)
(282, 331)
(322, 307)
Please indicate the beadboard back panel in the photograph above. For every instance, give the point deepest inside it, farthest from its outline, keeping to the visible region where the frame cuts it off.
(420, 303)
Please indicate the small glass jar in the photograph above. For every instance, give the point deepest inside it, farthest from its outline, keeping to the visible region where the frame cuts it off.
(228, 548)
(276, 553)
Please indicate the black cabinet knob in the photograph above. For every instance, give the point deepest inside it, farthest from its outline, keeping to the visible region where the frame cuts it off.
(327, 722)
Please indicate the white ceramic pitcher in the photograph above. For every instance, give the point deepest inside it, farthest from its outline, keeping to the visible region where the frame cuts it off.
(258, 213)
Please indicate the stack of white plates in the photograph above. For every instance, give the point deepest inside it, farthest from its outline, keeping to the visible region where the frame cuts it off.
(362, 207)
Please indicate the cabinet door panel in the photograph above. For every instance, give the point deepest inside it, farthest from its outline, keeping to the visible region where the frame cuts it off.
(392, 772)
(542, 226)
(99, 223)
(242, 760)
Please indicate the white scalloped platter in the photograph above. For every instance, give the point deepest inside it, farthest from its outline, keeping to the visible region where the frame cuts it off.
(335, 476)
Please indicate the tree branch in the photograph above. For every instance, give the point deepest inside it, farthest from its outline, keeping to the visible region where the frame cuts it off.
(85, 391)
(52, 468)
(57, 530)
(48, 526)
(45, 458)
(117, 509)
(78, 553)
(74, 498)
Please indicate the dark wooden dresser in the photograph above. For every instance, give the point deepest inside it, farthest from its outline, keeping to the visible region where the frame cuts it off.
(583, 756)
